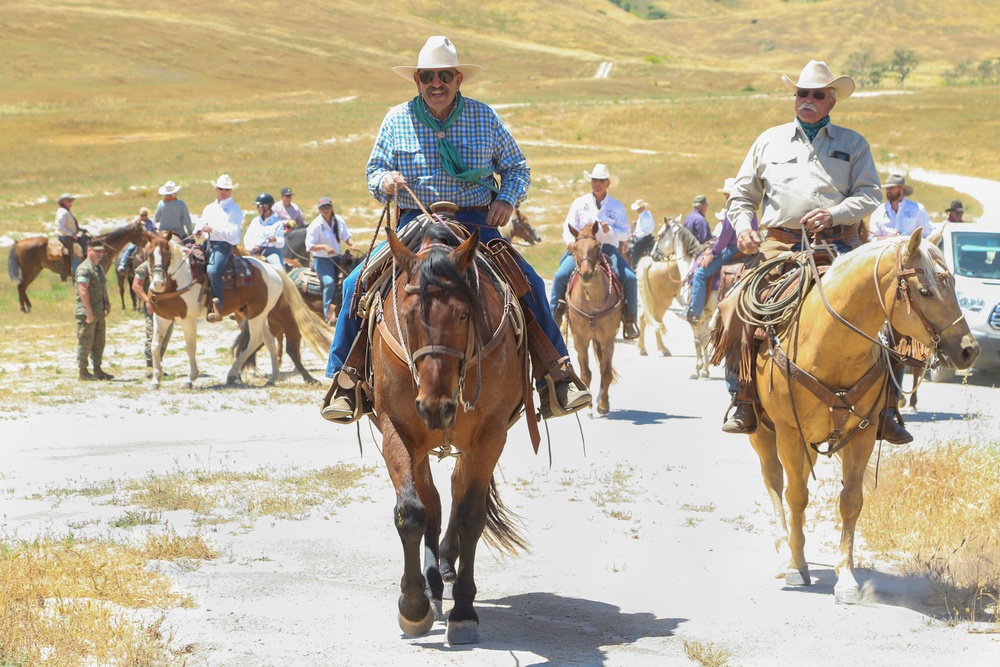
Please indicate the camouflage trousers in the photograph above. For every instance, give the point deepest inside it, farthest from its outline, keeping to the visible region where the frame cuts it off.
(90, 341)
(148, 350)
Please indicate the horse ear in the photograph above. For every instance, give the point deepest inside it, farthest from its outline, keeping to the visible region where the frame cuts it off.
(400, 252)
(594, 228)
(574, 232)
(463, 255)
(913, 247)
(936, 235)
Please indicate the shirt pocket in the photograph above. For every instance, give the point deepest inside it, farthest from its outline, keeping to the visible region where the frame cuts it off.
(410, 157)
(783, 167)
(475, 151)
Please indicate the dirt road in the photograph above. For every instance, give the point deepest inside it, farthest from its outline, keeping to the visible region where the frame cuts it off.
(657, 536)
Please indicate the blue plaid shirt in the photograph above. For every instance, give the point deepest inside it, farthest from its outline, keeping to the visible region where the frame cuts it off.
(406, 145)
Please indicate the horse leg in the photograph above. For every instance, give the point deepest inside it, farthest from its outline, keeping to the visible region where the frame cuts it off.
(641, 341)
(604, 353)
(795, 463)
(855, 462)
(156, 350)
(431, 500)
(121, 288)
(255, 331)
(416, 616)
(582, 345)
(763, 442)
(190, 327)
(27, 277)
(272, 347)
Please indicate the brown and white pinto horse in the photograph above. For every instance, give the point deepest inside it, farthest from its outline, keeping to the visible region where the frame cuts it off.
(594, 310)
(826, 377)
(449, 372)
(176, 296)
(29, 256)
(518, 227)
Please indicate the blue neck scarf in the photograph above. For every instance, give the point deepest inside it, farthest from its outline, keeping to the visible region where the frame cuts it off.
(812, 129)
(450, 158)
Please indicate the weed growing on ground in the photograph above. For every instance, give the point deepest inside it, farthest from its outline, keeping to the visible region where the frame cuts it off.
(707, 654)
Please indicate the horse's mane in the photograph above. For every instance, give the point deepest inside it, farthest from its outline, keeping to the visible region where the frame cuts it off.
(438, 271)
(116, 234)
(690, 241)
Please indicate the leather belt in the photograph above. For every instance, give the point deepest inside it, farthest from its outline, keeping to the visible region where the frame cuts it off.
(461, 209)
(836, 233)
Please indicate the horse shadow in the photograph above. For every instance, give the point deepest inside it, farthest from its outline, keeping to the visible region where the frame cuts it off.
(527, 623)
(643, 417)
(882, 588)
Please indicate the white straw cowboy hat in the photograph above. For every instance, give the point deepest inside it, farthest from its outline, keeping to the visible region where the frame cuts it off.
(639, 203)
(817, 75)
(600, 173)
(898, 179)
(64, 196)
(169, 188)
(224, 183)
(439, 53)
(727, 187)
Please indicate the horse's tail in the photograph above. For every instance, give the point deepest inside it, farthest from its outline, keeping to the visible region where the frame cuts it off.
(13, 267)
(310, 325)
(501, 532)
(646, 292)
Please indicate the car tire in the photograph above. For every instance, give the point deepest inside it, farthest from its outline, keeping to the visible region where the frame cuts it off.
(941, 374)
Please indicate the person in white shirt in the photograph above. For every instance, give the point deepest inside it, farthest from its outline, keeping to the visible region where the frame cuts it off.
(221, 222)
(898, 216)
(643, 232)
(290, 213)
(325, 238)
(265, 235)
(68, 230)
(599, 206)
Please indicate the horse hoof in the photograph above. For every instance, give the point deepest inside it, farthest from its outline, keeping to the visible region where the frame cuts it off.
(847, 594)
(232, 379)
(643, 353)
(189, 385)
(665, 353)
(693, 376)
(704, 374)
(603, 409)
(463, 632)
(795, 577)
(417, 628)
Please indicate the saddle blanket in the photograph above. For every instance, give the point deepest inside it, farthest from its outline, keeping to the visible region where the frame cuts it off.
(306, 280)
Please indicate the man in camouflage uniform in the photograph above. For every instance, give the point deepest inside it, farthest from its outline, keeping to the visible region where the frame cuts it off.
(140, 286)
(92, 308)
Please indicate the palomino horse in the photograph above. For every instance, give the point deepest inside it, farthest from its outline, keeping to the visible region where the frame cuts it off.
(518, 227)
(176, 296)
(823, 381)
(594, 309)
(661, 278)
(29, 256)
(448, 332)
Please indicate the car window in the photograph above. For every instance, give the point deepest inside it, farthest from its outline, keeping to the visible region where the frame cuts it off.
(976, 254)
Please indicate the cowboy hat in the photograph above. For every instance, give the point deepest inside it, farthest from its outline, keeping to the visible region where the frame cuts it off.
(224, 183)
(169, 188)
(956, 205)
(727, 187)
(817, 75)
(600, 173)
(439, 53)
(639, 203)
(898, 179)
(720, 215)
(64, 196)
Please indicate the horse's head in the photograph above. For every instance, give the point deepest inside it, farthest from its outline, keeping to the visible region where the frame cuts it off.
(586, 250)
(437, 310)
(523, 229)
(665, 239)
(925, 306)
(137, 233)
(159, 252)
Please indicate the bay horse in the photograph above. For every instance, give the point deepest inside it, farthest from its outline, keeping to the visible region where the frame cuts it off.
(826, 376)
(126, 275)
(661, 279)
(594, 310)
(447, 332)
(518, 227)
(29, 256)
(176, 296)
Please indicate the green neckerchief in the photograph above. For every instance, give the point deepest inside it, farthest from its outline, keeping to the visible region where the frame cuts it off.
(450, 158)
(812, 129)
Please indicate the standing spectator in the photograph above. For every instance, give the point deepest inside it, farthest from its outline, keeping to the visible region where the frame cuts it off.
(599, 206)
(92, 308)
(696, 222)
(898, 216)
(325, 238)
(171, 213)
(140, 287)
(955, 211)
(68, 230)
(290, 214)
(265, 235)
(642, 233)
(221, 222)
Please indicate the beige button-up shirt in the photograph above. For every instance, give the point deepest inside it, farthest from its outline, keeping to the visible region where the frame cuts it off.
(787, 176)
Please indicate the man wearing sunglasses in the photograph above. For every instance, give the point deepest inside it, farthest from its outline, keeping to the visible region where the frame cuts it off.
(447, 147)
(807, 177)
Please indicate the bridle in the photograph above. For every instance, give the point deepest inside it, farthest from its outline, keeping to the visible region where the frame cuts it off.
(161, 272)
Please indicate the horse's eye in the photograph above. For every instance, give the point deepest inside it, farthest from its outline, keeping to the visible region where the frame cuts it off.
(463, 317)
(925, 291)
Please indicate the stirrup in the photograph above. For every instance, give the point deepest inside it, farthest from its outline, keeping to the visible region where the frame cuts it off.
(549, 394)
(346, 405)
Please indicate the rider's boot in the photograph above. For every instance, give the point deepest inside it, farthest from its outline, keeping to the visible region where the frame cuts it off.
(563, 392)
(743, 419)
(347, 400)
(215, 314)
(629, 329)
(890, 427)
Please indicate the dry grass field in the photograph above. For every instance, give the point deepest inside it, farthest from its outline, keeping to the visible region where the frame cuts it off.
(108, 99)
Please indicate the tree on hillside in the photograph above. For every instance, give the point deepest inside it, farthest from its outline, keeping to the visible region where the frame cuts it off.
(903, 62)
(864, 69)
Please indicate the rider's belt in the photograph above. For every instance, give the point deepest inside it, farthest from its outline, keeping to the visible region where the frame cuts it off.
(836, 233)
(461, 209)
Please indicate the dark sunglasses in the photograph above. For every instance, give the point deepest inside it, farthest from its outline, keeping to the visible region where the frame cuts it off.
(427, 75)
(817, 94)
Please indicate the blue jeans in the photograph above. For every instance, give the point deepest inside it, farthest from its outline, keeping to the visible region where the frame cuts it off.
(348, 323)
(327, 272)
(273, 256)
(218, 257)
(703, 274)
(626, 276)
(126, 256)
